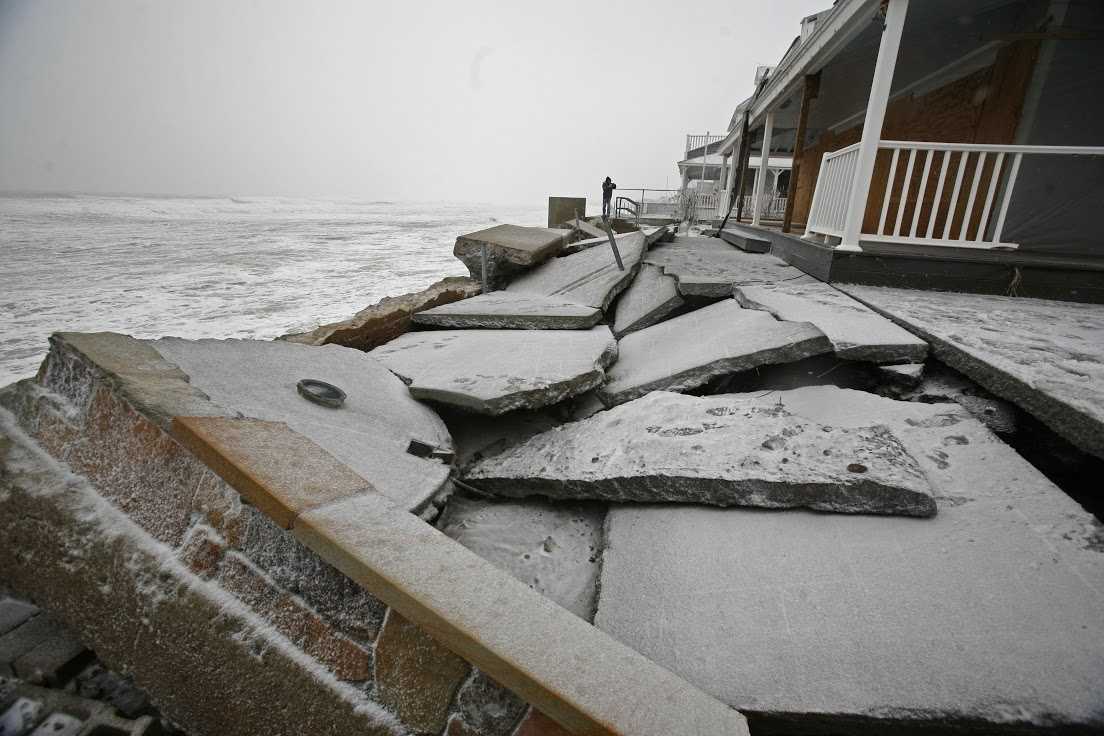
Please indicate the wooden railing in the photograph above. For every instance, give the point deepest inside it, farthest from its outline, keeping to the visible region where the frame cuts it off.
(948, 194)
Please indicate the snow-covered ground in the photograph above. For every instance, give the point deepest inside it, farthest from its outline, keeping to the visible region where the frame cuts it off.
(214, 267)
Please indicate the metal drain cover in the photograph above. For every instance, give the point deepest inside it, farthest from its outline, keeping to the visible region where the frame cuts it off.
(320, 392)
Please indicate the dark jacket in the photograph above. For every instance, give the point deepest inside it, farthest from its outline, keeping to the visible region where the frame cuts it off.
(607, 189)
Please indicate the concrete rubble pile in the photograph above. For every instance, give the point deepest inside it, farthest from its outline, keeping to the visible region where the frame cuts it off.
(619, 441)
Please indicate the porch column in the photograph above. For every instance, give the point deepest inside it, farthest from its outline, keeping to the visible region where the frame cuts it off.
(730, 179)
(872, 125)
(760, 176)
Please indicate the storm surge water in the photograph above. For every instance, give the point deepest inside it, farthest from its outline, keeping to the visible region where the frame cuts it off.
(214, 267)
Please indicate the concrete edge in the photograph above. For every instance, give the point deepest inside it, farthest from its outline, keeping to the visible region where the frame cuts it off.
(486, 616)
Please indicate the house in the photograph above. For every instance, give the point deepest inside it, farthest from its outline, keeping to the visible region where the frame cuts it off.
(948, 144)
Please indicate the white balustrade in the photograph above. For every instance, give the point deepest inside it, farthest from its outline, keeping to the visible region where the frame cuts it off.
(982, 180)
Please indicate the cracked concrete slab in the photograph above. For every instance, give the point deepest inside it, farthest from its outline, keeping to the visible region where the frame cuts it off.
(551, 547)
(370, 433)
(849, 622)
(510, 250)
(495, 371)
(691, 349)
(650, 298)
(589, 277)
(1045, 356)
(856, 331)
(505, 310)
(709, 267)
(718, 450)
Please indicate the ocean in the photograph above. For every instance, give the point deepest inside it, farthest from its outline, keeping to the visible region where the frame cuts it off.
(254, 267)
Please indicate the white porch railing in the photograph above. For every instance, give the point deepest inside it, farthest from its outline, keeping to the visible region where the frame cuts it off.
(828, 212)
(979, 177)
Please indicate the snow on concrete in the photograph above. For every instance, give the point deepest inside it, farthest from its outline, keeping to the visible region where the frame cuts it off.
(588, 277)
(495, 371)
(726, 450)
(987, 614)
(510, 249)
(1045, 356)
(709, 267)
(512, 311)
(370, 433)
(856, 332)
(689, 350)
(650, 298)
(552, 548)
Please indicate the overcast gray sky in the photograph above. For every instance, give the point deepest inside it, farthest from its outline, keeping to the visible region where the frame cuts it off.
(465, 100)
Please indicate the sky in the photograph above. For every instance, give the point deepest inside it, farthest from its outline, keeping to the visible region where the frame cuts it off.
(465, 100)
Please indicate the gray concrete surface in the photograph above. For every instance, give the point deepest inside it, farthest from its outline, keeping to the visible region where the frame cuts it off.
(709, 267)
(589, 277)
(650, 298)
(370, 433)
(726, 450)
(1045, 356)
(512, 311)
(510, 250)
(495, 371)
(856, 331)
(687, 351)
(986, 616)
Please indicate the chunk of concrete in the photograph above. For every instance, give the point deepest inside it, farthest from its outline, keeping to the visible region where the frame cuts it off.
(709, 267)
(849, 623)
(745, 240)
(717, 450)
(596, 241)
(691, 349)
(650, 298)
(856, 331)
(1045, 356)
(495, 371)
(370, 433)
(506, 310)
(388, 318)
(552, 548)
(510, 249)
(565, 209)
(589, 277)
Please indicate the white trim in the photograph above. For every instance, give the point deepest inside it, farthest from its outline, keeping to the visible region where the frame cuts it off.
(995, 148)
(936, 241)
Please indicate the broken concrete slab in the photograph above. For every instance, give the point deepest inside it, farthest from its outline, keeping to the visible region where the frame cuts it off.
(877, 624)
(856, 331)
(506, 310)
(904, 374)
(650, 298)
(510, 249)
(691, 349)
(552, 548)
(746, 240)
(388, 318)
(716, 450)
(495, 371)
(589, 277)
(370, 433)
(1045, 356)
(590, 230)
(708, 267)
(593, 242)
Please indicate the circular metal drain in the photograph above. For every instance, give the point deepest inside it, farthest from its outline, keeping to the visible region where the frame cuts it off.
(321, 392)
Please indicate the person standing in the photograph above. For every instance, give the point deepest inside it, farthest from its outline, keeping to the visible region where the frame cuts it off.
(607, 194)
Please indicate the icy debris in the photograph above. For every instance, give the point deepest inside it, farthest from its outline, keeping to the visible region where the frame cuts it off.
(495, 371)
(687, 351)
(856, 332)
(505, 310)
(725, 450)
(552, 548)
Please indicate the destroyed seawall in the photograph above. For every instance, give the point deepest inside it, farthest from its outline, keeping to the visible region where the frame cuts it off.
(241, 550)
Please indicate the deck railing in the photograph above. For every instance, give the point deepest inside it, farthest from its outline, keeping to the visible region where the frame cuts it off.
(948, 194)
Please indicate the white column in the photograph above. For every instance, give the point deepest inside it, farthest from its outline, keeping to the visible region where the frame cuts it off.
(760, 176)
(872, 126)
(730, 181)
